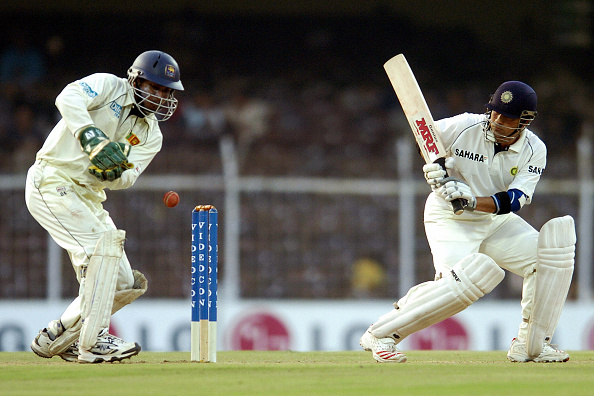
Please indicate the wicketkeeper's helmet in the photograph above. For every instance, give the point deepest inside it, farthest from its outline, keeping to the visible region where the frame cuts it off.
(159, 68)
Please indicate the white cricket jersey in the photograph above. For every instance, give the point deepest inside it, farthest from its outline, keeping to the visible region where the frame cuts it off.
(477, 164)
(103, 100)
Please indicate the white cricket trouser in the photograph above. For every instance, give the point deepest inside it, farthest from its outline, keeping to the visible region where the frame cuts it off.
(74, 216)
(508, 239)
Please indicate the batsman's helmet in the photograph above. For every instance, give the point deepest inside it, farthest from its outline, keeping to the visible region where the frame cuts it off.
(159, 68)
(513, 99)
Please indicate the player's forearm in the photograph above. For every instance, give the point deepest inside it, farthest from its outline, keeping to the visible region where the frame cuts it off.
(485, 204)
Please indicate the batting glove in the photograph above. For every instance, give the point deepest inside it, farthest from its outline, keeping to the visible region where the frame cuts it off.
(453, 188)
(435, 174)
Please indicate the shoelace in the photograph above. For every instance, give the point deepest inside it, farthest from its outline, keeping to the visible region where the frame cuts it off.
(386, 346)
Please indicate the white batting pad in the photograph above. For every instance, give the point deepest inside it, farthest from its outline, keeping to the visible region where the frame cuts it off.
(431, 302)
(98, 286)
(554, 270)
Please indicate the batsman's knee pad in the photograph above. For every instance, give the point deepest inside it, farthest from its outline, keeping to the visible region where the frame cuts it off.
(431, 302)
(554, 270)
(98, 286)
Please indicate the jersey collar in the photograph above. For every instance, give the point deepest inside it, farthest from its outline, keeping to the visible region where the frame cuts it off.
(518, 144)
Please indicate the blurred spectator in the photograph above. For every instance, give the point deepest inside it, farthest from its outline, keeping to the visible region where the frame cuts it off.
(203, 118)
(22, 135)
(368, 277)
(21, 64)
(249, 119)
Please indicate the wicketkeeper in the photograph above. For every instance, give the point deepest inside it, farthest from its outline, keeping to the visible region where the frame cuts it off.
(494, 165)
(108, 135)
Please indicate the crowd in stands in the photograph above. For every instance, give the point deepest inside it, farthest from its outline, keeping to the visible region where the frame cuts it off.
(329, 114)
(302, 103)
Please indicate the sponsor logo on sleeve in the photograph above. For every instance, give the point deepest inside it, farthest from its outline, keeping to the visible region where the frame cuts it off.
(87, 89)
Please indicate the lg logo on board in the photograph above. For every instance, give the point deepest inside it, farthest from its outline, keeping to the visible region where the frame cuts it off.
(260, 332)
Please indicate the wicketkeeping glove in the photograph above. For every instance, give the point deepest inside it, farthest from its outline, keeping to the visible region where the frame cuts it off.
(110, 174)
(102, 152)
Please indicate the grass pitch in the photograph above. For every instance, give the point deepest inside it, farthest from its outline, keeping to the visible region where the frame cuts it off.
(298, 373)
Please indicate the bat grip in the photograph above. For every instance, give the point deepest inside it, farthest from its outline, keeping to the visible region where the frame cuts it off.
(457, 204)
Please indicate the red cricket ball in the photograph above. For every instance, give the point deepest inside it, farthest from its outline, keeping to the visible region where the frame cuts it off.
(171, 199)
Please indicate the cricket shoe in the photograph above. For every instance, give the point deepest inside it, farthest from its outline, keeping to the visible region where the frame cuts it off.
(384, 349)
(108, 348)
(44, 339)
(550, 354)
(71, 354)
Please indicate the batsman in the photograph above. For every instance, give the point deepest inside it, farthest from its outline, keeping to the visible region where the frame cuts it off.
(493, 165)
(107, 136)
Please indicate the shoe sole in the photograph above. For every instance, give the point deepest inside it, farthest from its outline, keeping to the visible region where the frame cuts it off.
(116, 358)
(515, 360)
(551, 361)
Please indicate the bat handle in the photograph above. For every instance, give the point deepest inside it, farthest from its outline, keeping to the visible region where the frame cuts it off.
(457, 204)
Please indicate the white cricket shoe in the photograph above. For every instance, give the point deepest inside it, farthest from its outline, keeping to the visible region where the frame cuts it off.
(41, 343)
(384, 349)
(71, 354)
(108, 348)
(517, 353)
(46, 336)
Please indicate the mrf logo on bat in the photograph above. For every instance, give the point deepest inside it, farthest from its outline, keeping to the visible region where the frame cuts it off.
(427, 136)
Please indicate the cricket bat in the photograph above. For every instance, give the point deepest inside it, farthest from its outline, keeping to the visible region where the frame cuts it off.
(418, 115)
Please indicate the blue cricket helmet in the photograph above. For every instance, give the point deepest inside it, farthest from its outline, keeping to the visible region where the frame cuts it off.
(158, 67)
(514, 99)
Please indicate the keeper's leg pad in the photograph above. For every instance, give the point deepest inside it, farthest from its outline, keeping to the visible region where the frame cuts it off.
(98, 286)
(554, 270)
(126, 296)
(431, 302)
(121, 299)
